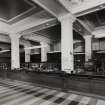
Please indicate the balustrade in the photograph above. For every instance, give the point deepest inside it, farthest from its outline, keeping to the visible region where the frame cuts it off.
(4, 66)
(45, 67)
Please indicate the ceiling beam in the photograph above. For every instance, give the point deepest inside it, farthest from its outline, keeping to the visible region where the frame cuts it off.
(99, 32)
(31, 21)
(66, 4)
(44, 25)
(36, 47)
(3, 51)
(52, 6)
(57, 9)
(85, 7)
(85, 26)
(6, 39)
(37, 38)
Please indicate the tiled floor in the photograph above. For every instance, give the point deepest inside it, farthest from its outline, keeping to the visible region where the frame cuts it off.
(22, 93)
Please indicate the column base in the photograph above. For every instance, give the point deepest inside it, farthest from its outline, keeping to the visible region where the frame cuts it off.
(68, 71)
(13, 68)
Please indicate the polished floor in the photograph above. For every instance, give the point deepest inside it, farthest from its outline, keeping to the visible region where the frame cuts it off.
(23, 93)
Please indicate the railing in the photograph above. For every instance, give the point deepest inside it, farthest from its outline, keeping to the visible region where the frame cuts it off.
(46, 67)
(51, 67)
(5, 66)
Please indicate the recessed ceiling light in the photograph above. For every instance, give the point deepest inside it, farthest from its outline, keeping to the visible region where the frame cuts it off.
(47, 24)
(80, 30)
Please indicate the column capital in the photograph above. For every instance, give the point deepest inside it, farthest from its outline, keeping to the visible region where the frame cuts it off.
(27, 45)
(42, 43)
(67, 17)
(14, 36)
(87, 36)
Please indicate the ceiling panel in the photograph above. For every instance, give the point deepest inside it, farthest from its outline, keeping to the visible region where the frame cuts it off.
(101, 15)
(92, 18)
(12, 8)
(80, 29)
(53, 32)
(15, 10)
(96, 19)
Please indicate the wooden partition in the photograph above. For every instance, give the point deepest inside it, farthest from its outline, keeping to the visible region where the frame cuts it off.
(81, 83)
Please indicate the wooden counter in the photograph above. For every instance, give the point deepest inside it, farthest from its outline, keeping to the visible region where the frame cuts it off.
(82, 83)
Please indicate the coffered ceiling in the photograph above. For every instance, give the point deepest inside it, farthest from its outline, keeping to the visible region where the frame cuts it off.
(15, 10)
(96, 19)
(53, 32)
(90, 14)
(24, 16)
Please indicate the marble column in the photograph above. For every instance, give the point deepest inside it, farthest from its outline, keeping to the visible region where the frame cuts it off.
(88, 47)
(67, 60)
(15, 55)
(44, 50)
(27, 55)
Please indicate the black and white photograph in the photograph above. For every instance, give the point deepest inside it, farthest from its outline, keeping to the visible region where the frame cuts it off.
(52, 52)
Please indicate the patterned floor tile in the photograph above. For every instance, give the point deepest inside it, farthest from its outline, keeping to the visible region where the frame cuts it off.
(23, 93)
